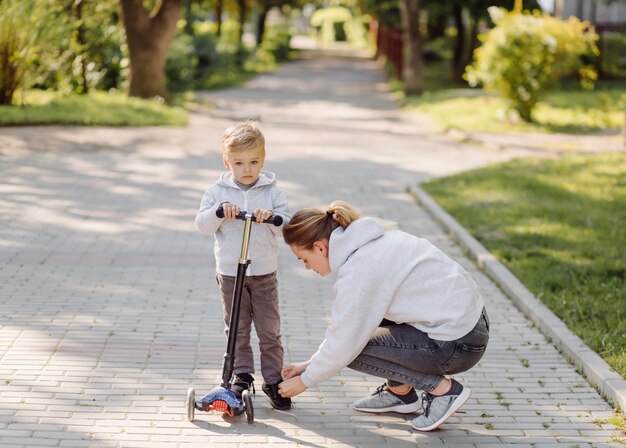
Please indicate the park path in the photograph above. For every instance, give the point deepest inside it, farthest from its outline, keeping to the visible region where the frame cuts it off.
(109, 310)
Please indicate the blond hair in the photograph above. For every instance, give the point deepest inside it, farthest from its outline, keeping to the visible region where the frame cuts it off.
(242, 136)
(311, 224)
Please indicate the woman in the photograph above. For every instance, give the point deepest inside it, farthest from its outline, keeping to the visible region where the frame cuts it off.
(403, 311)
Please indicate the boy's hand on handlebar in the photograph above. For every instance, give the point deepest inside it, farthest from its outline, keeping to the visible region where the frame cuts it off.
(231, 211)
(291, 387)
(261, 214)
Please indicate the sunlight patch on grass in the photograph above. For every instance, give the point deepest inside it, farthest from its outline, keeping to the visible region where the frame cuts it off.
(95, 109)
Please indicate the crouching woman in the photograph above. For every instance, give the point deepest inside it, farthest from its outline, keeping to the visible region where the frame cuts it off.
(403, 311)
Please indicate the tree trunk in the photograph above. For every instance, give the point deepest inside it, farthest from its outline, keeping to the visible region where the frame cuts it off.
(219, 8)
(148, 36)
(189, 18)
(261, 24)
(459, 43)
(412, 73)
(242, 19)
(79, 34)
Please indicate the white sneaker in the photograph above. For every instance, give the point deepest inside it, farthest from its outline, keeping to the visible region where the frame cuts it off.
(383, 400)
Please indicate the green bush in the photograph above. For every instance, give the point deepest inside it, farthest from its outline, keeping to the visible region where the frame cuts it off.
(330, 23)
(526, 53)
(337, 24)
(17, 39)
(11, 71)
(613, 55)
(80, 54)
(357, 30)
(276, 42)
(181, 64)
(205, 50)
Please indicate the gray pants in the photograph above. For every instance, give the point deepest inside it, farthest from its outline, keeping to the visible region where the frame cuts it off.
(405, 355)
(259, 304)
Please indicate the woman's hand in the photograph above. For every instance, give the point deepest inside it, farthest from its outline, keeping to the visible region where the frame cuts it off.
(292, 370)
(291, 387)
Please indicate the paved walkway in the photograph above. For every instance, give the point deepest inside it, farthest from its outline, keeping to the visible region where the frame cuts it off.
(109, 310)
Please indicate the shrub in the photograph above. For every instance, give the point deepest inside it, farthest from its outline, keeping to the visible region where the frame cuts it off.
(205, 49)
(526, 53)
(11, 71)
(17, 39)
(181, 64)
(330, 23)
(276, 41)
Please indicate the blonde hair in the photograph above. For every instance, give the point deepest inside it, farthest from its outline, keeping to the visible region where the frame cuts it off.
(242, 136)
(311, 224)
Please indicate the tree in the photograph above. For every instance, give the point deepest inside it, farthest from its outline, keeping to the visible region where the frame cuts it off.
(413, 67)
(264, 8)
(148, 35)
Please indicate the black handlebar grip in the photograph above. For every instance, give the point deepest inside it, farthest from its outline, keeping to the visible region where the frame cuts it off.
(274, 219)
(277, 220)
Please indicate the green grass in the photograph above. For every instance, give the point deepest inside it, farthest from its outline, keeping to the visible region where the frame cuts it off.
(560, 227)
(567, 108)
(95, 109)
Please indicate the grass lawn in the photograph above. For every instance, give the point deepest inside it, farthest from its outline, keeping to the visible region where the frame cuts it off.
(95, 109)
(568, 108)
(560, 227)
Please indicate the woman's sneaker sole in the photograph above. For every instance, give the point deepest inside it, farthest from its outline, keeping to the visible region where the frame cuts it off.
(400, 409)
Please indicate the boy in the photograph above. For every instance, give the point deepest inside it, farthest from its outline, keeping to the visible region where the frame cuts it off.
(245, 187)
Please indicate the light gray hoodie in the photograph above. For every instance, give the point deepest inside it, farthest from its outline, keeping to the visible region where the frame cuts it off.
(392, 275)
(263, 248)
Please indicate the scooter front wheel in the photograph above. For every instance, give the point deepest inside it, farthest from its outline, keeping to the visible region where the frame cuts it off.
(247, 403)
(191, 403)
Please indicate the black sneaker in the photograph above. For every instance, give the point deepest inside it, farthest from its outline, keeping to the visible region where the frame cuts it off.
(278, 401)
(241, 382)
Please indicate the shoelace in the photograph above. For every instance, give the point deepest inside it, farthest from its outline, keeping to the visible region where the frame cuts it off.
(380, 389)
(248, 385)
(274, 392)
(427, 399)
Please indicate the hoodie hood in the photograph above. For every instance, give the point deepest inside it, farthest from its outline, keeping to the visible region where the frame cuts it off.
(344, 242)
(265, 178)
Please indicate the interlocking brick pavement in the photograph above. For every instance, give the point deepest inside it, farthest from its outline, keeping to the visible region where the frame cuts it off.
(109, 309)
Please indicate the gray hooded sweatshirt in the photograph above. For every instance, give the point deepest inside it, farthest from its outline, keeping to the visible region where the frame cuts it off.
(263, 248)
(392, 275)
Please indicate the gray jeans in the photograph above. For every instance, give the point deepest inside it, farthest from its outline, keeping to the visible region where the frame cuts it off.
(259, 304)
(405, 355)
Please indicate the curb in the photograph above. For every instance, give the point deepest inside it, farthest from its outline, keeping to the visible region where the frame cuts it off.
(611, 385)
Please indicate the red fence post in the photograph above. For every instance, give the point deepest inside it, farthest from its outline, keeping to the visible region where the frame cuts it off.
(389, 45)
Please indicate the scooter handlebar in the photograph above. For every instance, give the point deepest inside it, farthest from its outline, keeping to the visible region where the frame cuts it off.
(277, 220)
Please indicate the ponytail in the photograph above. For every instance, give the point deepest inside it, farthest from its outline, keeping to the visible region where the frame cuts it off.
(310, 224)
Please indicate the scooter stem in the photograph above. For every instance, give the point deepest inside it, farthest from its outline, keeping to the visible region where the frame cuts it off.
(229, 356)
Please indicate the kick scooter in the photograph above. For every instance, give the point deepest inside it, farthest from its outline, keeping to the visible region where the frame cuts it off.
(222, 398)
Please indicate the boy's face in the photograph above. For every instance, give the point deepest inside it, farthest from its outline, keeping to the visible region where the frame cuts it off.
(245, 164)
